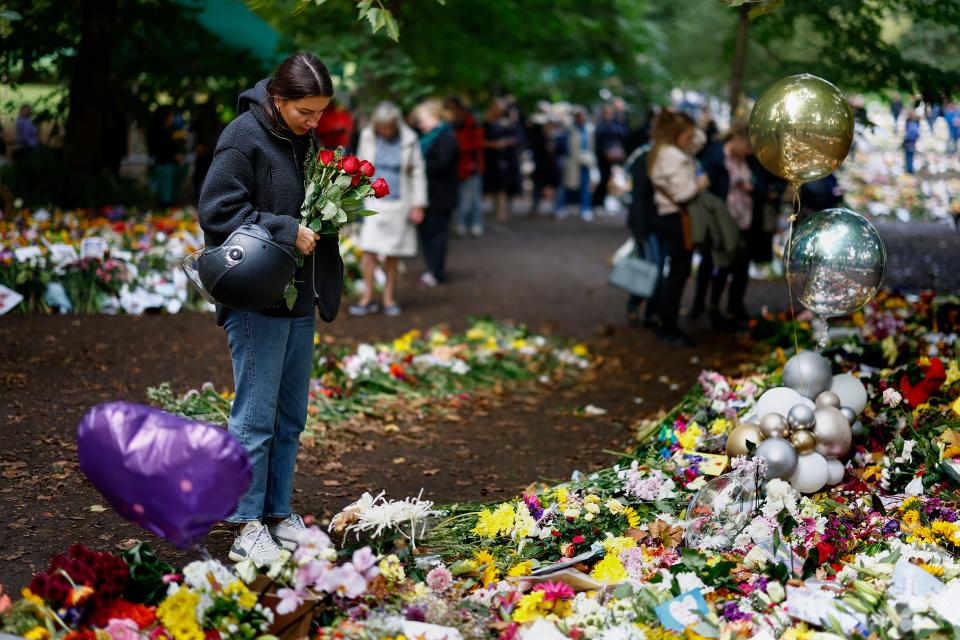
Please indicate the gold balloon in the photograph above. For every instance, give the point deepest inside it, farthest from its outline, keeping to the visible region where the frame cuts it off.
(803, 441)
(737, 439)
(801, 128)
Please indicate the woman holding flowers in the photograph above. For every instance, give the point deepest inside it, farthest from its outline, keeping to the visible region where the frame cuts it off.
(395, 150)
(256, 177)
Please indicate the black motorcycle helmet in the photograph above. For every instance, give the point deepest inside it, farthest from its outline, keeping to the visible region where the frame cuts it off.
(249, 271)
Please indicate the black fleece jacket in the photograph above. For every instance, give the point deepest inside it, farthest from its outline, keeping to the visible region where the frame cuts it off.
(257, 177)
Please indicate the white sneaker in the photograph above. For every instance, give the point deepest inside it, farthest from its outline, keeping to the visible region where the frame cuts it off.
(476, 230)
(428, 280)
(587, 215)
(285, 532)
(254, 543)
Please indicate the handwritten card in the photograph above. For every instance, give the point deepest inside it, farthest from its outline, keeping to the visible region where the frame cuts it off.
(63, 254)
(93, 248)
(686, 610)
(25, 254)
(819, 607)
(910, 580)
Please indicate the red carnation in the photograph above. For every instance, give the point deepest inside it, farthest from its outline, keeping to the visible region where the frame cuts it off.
(325, 157)
(350, 165)
(933, 378)
(380, 188)
(367, 169)
(578, 539)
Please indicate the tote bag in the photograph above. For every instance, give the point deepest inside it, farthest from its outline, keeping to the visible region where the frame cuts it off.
(635, 274)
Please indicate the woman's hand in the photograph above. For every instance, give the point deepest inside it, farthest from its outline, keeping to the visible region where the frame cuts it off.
(306, 240)
(416, 215)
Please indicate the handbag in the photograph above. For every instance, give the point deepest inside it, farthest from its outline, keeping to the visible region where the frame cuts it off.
(635, 274)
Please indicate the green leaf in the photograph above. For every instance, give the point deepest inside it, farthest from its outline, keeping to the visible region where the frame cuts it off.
(315, 225)
(329, 210)
(366, 213)
(343, 181)
(290, 294)
(393, 29)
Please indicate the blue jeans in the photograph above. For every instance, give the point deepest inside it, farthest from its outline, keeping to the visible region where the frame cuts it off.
(586, 198)
(908, 154)
(272, 362)
(470, 212)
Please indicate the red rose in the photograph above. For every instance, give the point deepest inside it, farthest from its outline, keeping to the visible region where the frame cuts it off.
(356, 180)
(350, 165)
(367, 169)
(325, 157)
(380, 188)
(578, 539)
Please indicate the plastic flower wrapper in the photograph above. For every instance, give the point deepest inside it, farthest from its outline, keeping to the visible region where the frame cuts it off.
(723, 507)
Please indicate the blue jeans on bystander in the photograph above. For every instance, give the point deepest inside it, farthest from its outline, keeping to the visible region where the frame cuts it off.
(272, 360)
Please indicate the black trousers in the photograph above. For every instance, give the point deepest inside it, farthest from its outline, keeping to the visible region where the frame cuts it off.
(669, 230)
(434, 234)
(600, 193)
(715, 279)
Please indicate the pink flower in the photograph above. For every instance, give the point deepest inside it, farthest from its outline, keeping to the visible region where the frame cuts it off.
(892, 397)
(345, 581)
(310, 542)
(439, 579)
(555, 590)
(290, 599)
(123, 629)
(365, 562)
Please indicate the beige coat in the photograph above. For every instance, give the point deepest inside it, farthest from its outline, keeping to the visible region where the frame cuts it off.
(578, 157)
(675, 173)
(390, 233)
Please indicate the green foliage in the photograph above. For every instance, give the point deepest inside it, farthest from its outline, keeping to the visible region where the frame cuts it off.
(533, 48)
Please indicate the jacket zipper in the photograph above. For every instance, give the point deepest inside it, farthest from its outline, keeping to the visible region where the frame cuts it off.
(313, 257)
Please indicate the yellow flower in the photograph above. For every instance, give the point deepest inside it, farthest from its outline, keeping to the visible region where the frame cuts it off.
(490, 572)
(561, 495)
(491, 344)
(31, 597)
(528, 609)
(523, 523)
(520, 569)
(911, 519)
(923, 361)
(496, 523)
(178, 615)
(799, 632)
(581, 350)
(956, 406)
(922, 535)
(519, 343)
(438, 338)
(476, 333)
(719, 427)
(633, 518)
(37, 633)
(953, 372)
(391, 569)
(609, 570)
(614, 546)
(244, 597)
(688, 440)
(933, 570)
(949, 530)
(614, 506)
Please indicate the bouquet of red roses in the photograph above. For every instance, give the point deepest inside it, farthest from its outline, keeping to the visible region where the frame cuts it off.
(336, 186)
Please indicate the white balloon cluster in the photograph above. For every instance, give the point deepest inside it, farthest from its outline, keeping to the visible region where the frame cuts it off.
(804, 427)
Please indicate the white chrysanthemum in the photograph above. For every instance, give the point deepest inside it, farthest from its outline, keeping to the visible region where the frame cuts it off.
(374, 515)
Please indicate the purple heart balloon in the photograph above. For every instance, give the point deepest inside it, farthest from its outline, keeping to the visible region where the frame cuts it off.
(173, 476)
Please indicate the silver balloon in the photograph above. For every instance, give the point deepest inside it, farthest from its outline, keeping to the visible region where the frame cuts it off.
(781, 457)
(857, 428)
(832, 432)
(807, 373)
(836, 262)
(774, 425)
(801, 417)
(828, 399)
(849, 414)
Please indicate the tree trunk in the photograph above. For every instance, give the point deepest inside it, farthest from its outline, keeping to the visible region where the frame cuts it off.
(739, 59)
(90, 91)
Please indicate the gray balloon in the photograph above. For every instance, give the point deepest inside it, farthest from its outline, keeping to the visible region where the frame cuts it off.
(807, 373)
(833, 433)
(828, 399)
(781, 457)
(774, 425)
(836, 261)
(849, 414)
(801, 417)
(857, 428)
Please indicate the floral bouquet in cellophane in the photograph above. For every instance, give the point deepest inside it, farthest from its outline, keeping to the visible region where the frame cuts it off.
(337, 184)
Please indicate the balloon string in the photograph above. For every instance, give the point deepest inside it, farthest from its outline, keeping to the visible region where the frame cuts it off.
(786, 268)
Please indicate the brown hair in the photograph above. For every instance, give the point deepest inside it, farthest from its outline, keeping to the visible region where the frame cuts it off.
(667, 127)
(302, 75)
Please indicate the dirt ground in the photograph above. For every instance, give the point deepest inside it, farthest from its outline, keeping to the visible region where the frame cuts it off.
(550, 275)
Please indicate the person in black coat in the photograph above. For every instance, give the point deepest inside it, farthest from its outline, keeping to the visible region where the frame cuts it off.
(256, 177)
(441, 155)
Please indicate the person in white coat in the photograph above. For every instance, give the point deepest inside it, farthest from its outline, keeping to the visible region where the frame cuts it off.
(394, 149)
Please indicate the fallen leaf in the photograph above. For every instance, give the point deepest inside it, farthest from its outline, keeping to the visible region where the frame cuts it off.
(431, 472)
(391, 428)
(399, 460)
(331, 483)
(98, 508)
(128, 544)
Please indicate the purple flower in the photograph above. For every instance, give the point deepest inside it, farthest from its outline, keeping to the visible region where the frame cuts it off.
(415, 613)
(534, 506)
(891, 527)
(733, 613)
